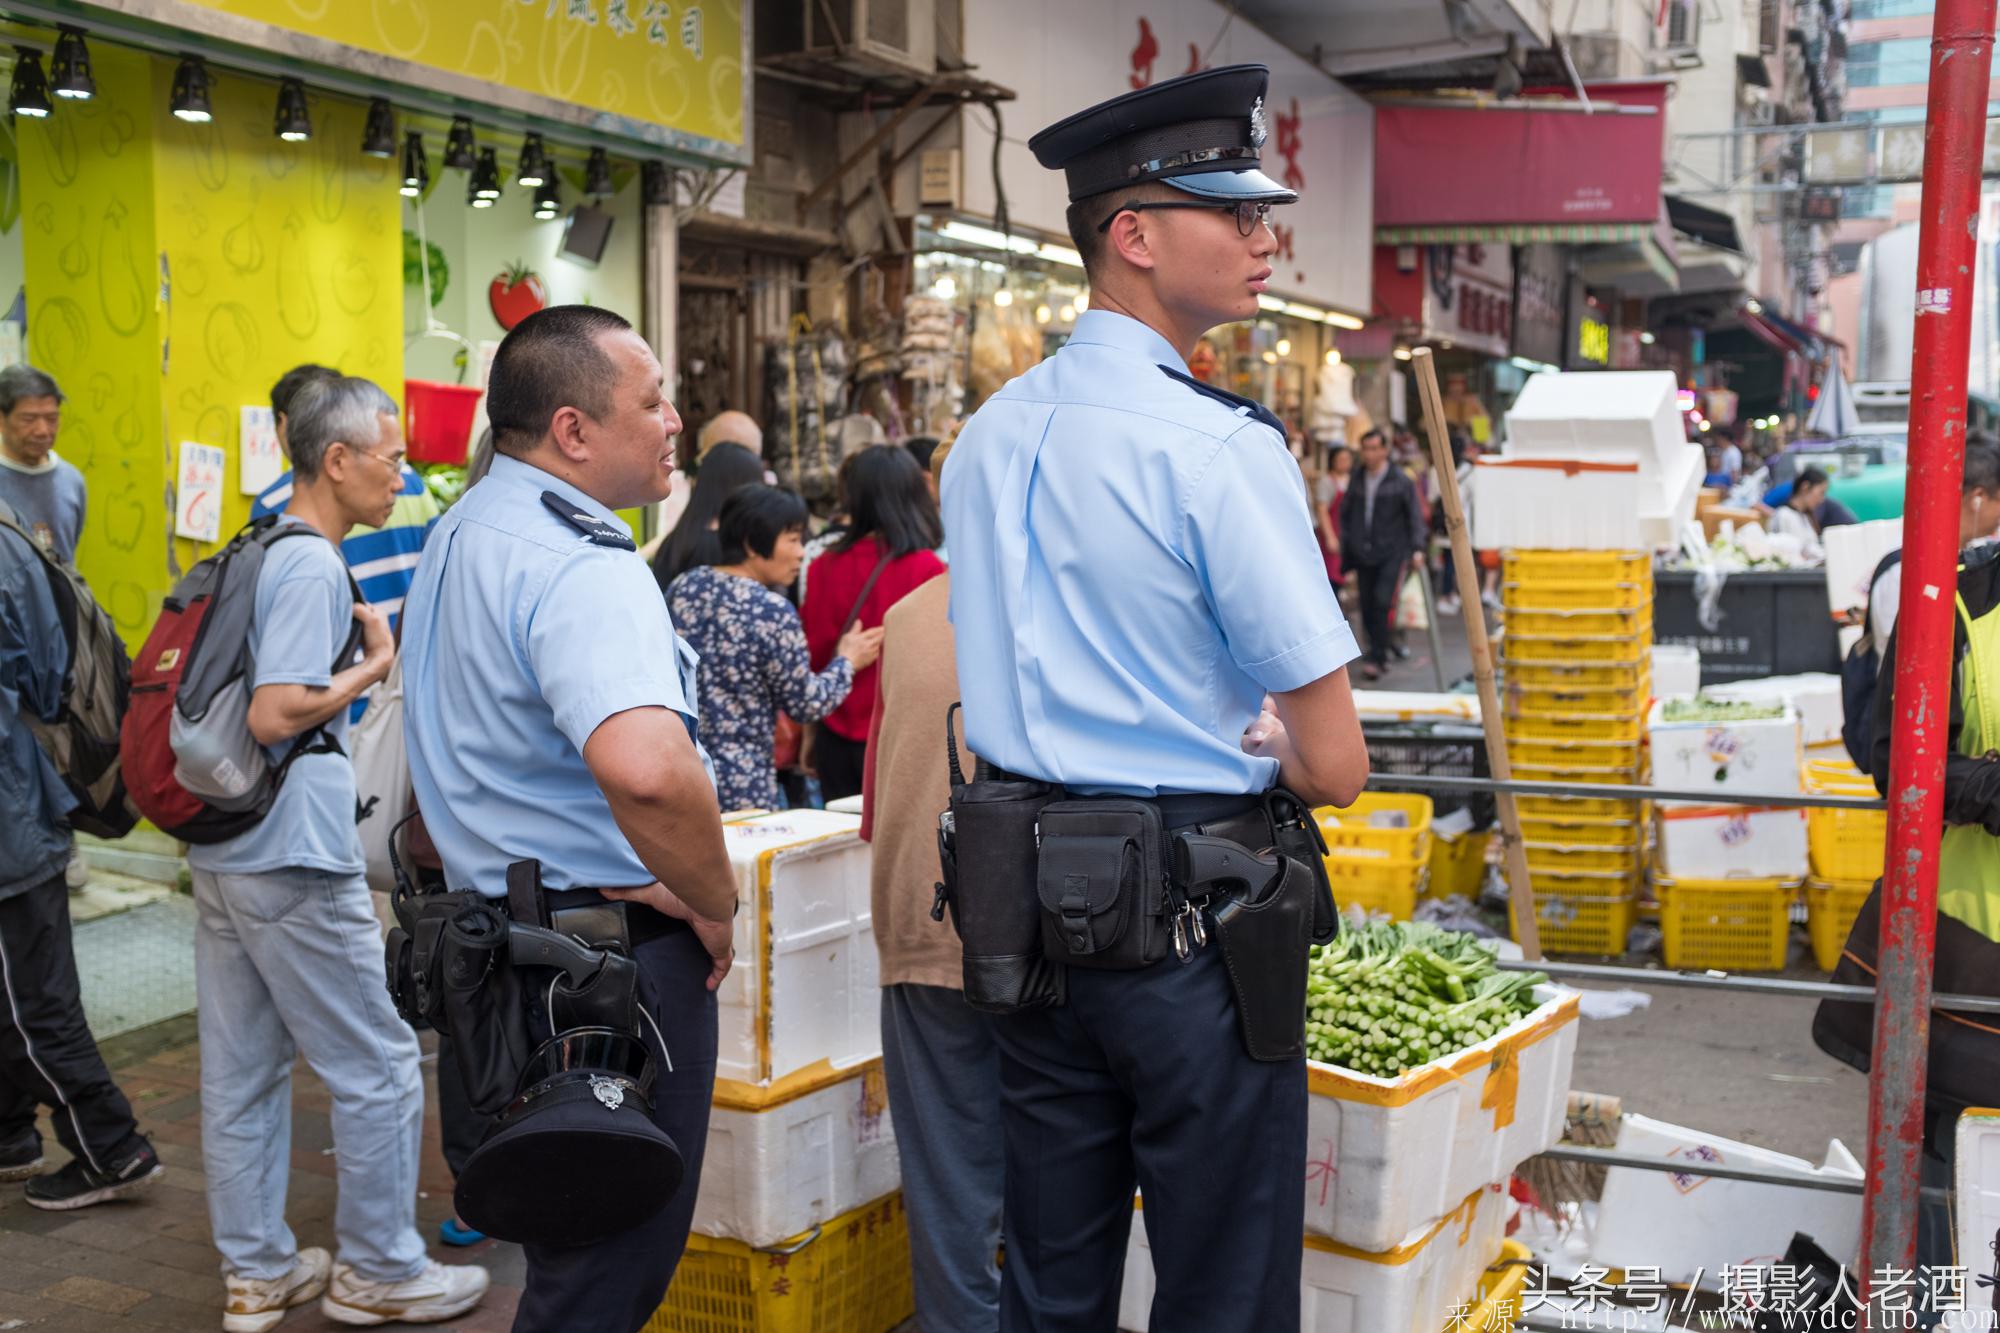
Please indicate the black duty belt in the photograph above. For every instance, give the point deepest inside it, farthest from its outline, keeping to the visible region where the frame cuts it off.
(642, 923)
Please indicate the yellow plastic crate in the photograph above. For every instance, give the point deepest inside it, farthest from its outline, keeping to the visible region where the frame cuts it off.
(1568, 809)
(1581, 831)
(1844, 844)
(1349, 835)
(1527, 772)
(851, 1275)
(1734, 925)
(1601, 650)
(1596, 701)
(1580, 725)
(1390, 888)
(1579, 675)
(1575, 756)
(1831, 906)
(1499, 1304)
(1539, 566)
(1836, 774)
(1580, 623)
(1569, 858)
(1576, 595)
(1458, 864)
(1584, 913)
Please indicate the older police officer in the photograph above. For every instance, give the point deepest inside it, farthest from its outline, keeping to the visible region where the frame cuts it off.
(1134, 576)
(551, 717)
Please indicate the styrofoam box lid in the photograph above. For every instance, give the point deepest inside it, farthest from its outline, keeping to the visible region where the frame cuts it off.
(1599, 414)
(1789, 719)
(749, 837)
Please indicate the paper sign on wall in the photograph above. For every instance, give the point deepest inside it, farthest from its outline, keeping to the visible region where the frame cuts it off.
(261, 461)
(198, 492)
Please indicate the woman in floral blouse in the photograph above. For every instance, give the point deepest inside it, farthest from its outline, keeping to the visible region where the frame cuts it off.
(752, 646)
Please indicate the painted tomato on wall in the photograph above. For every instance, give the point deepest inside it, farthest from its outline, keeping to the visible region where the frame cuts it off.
(516, 294)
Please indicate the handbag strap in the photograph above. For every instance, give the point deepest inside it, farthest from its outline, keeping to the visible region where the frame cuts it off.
(854, 612)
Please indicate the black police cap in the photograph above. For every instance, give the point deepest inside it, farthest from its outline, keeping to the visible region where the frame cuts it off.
(1201, 133)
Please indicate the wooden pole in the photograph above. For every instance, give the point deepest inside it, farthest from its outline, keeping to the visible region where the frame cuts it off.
(1522, 890)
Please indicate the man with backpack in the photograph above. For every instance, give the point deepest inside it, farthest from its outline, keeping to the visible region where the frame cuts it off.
(47, 1054)
(288, 954)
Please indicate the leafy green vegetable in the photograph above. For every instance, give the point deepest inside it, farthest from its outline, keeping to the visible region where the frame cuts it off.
(1701, 708)
(1387, 997)
(446, 481)
(413, 267)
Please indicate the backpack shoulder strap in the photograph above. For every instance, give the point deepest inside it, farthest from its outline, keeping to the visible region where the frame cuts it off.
(1882, 566)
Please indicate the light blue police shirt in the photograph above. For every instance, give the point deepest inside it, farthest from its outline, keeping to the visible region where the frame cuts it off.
(302, 617)
(520, 636)
(1132, 567)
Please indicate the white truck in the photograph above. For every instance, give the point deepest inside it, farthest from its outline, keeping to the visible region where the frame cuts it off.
(1888, 323)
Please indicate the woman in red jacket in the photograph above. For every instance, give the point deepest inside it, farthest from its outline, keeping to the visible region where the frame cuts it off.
(890, 549)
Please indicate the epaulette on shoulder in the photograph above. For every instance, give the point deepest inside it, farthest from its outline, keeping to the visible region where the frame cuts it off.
(594, 529)
(1235, 402)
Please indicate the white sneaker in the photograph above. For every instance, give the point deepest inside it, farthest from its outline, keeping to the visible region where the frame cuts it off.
(441, 1291)
(257, 1304)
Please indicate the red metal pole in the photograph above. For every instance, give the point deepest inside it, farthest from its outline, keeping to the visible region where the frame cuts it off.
(1954, 142)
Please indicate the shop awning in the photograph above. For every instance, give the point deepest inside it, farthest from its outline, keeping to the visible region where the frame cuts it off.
(1779, 333)
(1540, 170)
(1711, 225)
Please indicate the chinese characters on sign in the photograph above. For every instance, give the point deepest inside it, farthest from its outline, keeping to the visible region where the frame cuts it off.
(198, 492)
(1751, 1296)
(657, 16)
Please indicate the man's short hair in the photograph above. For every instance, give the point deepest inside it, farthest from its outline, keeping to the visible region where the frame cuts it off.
(18, 382)
(754, 517)
(346, 408)
(550, 361)
(292, 381)
(1374, 435)
(1086, 217)
(1982, 465)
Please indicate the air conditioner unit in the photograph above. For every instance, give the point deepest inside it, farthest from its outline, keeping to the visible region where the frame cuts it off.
(1596, 55)
(873, 37)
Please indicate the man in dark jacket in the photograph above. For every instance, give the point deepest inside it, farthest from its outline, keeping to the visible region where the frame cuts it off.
(1381, 527)
(47, 1054)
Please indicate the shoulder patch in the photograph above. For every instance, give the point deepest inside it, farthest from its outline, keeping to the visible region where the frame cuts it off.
(1235, 402)
(594, 529)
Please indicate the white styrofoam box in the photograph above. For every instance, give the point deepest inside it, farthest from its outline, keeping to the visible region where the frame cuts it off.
(805, 986)
(1676, 670)
(1412, 1288)
(1848, 635)
(1689, 1224)
(1813, 695)
(846, 805)
(1852, 552)
(1665, 510)
(1409, 706)
(781, 1161)
(1754, 756)
(1725, 841)
(1976, 1207)
(1389, 1156)
(1538, 504)
(1630, 416)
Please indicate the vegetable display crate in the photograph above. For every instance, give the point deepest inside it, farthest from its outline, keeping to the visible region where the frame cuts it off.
(1746, 754)
(1597, 701)
(1576, 756)
(1388, 1156)
(1831, 906)
(1604, 675)
(1578, 725)
(1581, 913)
(1731, 925)
(1411, 1287)
(1458, 865)
(850, 1275)
(1568, 859)
(1599, 651)
(1500, 1302)
(1533, 618)
(1844, 844)
(1378, 869)
(1531, 567)
(1568, 594)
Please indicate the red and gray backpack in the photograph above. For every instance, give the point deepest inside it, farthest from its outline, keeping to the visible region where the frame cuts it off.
(191, 764)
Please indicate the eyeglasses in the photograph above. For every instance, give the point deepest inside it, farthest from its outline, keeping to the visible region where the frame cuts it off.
(1250, 213)
(395, 461)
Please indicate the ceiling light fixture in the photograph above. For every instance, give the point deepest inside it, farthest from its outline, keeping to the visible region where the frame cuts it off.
(378, 135)
(534, 162)
(292, 122)
(486, 176)
(189, 98)
(459, 146)
(548, 201)
(29, 95)
(69, 67)
(597, 174)
(416, 166)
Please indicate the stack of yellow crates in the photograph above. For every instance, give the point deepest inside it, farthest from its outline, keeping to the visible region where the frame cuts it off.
(1847, 849)
(1577, 665)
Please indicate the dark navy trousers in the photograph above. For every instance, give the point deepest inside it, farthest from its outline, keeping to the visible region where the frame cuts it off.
(1141, 1079)
(615, 1285)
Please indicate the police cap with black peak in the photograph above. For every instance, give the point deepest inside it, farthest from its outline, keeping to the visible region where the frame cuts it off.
(1201, 133)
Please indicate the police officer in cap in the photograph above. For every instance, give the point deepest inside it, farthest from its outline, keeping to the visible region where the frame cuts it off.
(1141, 610)
(551, 717)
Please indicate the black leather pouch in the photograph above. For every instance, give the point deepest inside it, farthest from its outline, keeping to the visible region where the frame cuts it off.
(1295, 833)
(1101, 876)
(1265, 946)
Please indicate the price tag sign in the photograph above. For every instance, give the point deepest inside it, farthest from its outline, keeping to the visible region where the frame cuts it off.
(198, 492)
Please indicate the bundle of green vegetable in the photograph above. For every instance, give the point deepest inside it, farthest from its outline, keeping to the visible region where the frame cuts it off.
(1701, 708)
(1387, 997)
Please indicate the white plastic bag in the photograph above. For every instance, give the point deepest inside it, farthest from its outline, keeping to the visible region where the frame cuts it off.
(381, 774)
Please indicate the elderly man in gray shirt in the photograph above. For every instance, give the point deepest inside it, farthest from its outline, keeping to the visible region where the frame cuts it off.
(46, 492)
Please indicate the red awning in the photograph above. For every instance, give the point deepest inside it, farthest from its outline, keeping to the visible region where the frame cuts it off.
(1553, 172)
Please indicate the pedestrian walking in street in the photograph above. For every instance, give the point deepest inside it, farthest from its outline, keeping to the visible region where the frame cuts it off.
(939, 1053)
(754, 660)
(581, 758)
(889, 549)
(1152, 667)
(47, 1055)
(288, 952)
(44, 490)
(1381, 527)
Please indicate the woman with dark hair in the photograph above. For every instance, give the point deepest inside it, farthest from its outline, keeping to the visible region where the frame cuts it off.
(725, 469)
(753, 649)
(889, 550)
